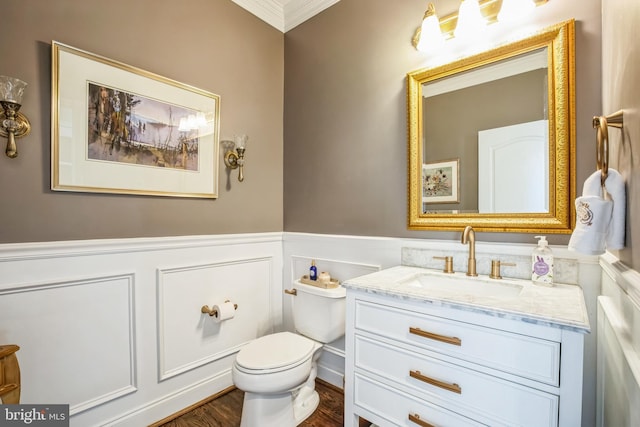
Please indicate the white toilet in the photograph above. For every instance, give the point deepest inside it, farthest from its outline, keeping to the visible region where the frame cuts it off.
(277, 372)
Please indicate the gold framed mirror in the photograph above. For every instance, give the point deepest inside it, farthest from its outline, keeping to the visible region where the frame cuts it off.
(463, 171)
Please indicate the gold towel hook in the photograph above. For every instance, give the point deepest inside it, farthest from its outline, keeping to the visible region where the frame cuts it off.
(601, 124)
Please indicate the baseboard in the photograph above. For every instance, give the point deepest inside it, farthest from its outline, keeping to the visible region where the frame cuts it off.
(331, 376)
(192, 407)
(175, 403)
(220, 394)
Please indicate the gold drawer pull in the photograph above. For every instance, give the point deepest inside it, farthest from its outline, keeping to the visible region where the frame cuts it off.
(432, 336)
(416, 419)
(450, 387)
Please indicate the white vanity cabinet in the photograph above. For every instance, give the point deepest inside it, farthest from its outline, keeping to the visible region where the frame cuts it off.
(424, 363)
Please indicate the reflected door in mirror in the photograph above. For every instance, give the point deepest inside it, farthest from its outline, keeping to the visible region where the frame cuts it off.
(513, 168)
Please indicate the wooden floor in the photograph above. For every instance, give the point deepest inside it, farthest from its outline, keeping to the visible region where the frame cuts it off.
(225, 410)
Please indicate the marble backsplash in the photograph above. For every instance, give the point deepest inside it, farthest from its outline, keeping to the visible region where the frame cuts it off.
(565, 269)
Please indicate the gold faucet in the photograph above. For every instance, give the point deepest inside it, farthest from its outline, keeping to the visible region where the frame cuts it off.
(469, 236)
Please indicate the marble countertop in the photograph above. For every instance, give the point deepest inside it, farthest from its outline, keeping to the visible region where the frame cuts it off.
(560, 305)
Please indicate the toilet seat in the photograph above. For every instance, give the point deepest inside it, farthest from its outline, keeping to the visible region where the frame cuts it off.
(274, 363)
(275, 353)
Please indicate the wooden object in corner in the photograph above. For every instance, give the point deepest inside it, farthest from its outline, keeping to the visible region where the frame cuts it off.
(9, 374)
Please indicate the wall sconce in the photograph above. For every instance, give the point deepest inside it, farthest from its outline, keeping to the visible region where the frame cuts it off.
(234, 154)
(13, 124)
(467, 21)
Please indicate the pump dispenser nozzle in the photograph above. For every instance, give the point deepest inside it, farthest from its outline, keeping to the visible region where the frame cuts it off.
(543, 241)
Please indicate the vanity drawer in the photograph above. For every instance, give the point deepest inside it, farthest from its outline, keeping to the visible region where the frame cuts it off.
(483, 397)
(397, 407)
(516, 354)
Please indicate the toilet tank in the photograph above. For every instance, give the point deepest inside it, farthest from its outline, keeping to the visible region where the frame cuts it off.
(319, 313)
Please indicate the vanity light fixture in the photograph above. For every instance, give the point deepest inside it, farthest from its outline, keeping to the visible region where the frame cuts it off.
(234, 154)
(13, 124)
(468, 21)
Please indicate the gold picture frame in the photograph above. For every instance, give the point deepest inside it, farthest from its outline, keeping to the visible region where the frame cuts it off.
(558, 41)
(119, 129)
(441, 182)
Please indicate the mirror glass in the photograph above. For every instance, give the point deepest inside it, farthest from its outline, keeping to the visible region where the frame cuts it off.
(491, 138)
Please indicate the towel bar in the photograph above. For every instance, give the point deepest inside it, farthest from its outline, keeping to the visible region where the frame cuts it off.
(601, 124)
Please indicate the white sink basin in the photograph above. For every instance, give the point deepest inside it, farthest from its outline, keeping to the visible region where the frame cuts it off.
(462, 285)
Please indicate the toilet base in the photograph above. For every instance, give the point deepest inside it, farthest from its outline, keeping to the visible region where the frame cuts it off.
(277, 410)
(286, 409)
(303, 409)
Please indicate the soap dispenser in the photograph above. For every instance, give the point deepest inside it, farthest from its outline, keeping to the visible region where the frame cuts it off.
(542, 263)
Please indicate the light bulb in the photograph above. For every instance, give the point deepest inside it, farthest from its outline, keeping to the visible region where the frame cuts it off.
(470, 21)
(431, 37)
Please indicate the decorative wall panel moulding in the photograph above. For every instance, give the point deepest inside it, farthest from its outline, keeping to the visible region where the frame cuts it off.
(12, 252)
(285, 14)
(86, 326)
(245, 281)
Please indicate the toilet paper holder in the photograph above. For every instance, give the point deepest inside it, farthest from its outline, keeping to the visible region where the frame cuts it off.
(213, 311)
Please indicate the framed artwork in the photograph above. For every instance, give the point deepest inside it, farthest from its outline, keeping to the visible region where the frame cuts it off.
(441, 182)
(119, 129)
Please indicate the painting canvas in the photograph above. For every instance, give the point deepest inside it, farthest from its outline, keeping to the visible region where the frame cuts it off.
(119, 129)
(440, 182)
(129, 128)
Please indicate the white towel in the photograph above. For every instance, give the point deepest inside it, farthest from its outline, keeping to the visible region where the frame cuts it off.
(592, 226)
(596, 229)
(592, 185)
(615, 186)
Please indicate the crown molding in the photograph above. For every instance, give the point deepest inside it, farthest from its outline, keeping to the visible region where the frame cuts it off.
(298, 11)
(285, 14)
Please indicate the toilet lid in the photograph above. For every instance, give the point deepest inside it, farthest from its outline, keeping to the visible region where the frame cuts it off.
(275, 351)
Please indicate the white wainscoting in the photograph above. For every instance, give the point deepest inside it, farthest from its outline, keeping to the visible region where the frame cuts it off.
(188, 339)
(348, 256)
(94, 317)
(618, 389)
(114, 328)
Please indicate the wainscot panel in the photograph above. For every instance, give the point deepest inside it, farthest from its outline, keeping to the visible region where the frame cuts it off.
(114, 328)
(189, 338)
(77, 327)
(618, 384)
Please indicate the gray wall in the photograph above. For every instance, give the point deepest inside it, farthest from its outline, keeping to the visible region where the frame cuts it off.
(345, 114)
(344, 109)
(621, 91)
(211, 44)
